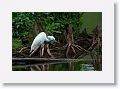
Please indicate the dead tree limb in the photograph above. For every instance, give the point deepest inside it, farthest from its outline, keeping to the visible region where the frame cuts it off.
(70, 47)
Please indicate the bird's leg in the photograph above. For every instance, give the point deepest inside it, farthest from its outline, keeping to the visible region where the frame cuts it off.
(48, 51)
(42, 50)
(34, 51)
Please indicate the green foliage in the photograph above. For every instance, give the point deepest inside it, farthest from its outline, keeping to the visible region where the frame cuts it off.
(17, 43)
(21, 23)
(21, 27)
(91, 20)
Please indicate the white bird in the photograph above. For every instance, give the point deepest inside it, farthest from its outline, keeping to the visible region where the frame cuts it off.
(40, 40)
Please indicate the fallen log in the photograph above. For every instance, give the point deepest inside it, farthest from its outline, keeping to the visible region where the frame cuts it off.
(26, 62)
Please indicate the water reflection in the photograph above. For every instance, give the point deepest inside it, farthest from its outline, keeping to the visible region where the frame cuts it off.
(87, 67)
(71, 66)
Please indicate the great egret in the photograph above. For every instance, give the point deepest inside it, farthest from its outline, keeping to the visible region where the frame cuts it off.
(40, 40)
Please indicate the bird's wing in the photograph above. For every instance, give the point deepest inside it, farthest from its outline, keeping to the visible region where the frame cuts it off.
(39, 39)
(36, 43)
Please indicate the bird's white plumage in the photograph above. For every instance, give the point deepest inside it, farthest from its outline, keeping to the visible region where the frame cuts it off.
(40, 39)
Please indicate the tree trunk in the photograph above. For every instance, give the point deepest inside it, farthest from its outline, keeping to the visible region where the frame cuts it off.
(37, 27)
(70, 40)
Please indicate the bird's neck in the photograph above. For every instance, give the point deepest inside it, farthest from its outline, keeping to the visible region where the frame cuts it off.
(47, 39)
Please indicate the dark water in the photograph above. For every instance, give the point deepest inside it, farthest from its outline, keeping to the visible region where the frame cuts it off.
(73, 66)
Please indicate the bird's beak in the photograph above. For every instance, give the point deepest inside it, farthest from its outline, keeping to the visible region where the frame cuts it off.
(55, 41)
